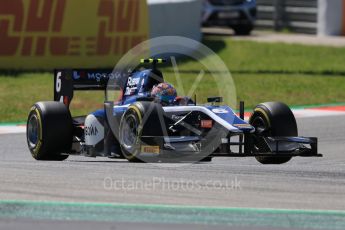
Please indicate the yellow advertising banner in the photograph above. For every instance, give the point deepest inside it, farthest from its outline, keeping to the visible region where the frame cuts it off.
(48, 34)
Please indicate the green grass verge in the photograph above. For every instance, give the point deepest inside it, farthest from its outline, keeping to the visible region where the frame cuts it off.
(19, 93)
(273, 58)
(295, 74)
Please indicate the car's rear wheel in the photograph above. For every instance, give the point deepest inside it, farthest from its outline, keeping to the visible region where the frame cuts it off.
(49, 131)
(272, 119)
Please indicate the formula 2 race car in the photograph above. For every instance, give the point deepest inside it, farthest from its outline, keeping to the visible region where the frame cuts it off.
(140, 129)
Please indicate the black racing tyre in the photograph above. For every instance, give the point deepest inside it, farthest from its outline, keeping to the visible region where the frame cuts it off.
(273, 119)
(130, 132)
(140, 119)
(206, 159)
(49, 131)
(243, 30)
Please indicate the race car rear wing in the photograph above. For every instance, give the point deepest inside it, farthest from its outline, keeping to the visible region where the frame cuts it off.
(68, 80)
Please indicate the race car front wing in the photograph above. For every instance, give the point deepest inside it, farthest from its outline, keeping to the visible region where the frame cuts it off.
(278, 146)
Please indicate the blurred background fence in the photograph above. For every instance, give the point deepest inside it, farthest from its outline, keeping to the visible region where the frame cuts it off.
(293, 15)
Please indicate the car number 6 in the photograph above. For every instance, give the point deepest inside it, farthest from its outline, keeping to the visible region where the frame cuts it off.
(58, 82)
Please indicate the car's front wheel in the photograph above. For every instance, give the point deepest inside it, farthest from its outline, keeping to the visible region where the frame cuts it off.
(272, 119)
(130, 133)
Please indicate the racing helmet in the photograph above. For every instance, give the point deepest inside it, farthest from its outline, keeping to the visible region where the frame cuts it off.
(164, 92)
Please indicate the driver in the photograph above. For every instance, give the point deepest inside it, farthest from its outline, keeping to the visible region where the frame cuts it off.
(165, 93)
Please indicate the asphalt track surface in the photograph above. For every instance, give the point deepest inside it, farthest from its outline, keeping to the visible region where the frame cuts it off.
(301, 184)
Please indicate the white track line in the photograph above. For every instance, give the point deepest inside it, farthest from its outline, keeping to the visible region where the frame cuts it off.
(302, 113)
(12, 129)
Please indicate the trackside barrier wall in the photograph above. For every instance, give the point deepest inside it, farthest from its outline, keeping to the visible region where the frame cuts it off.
(176, 18)
(48, 34)
(331, 17)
